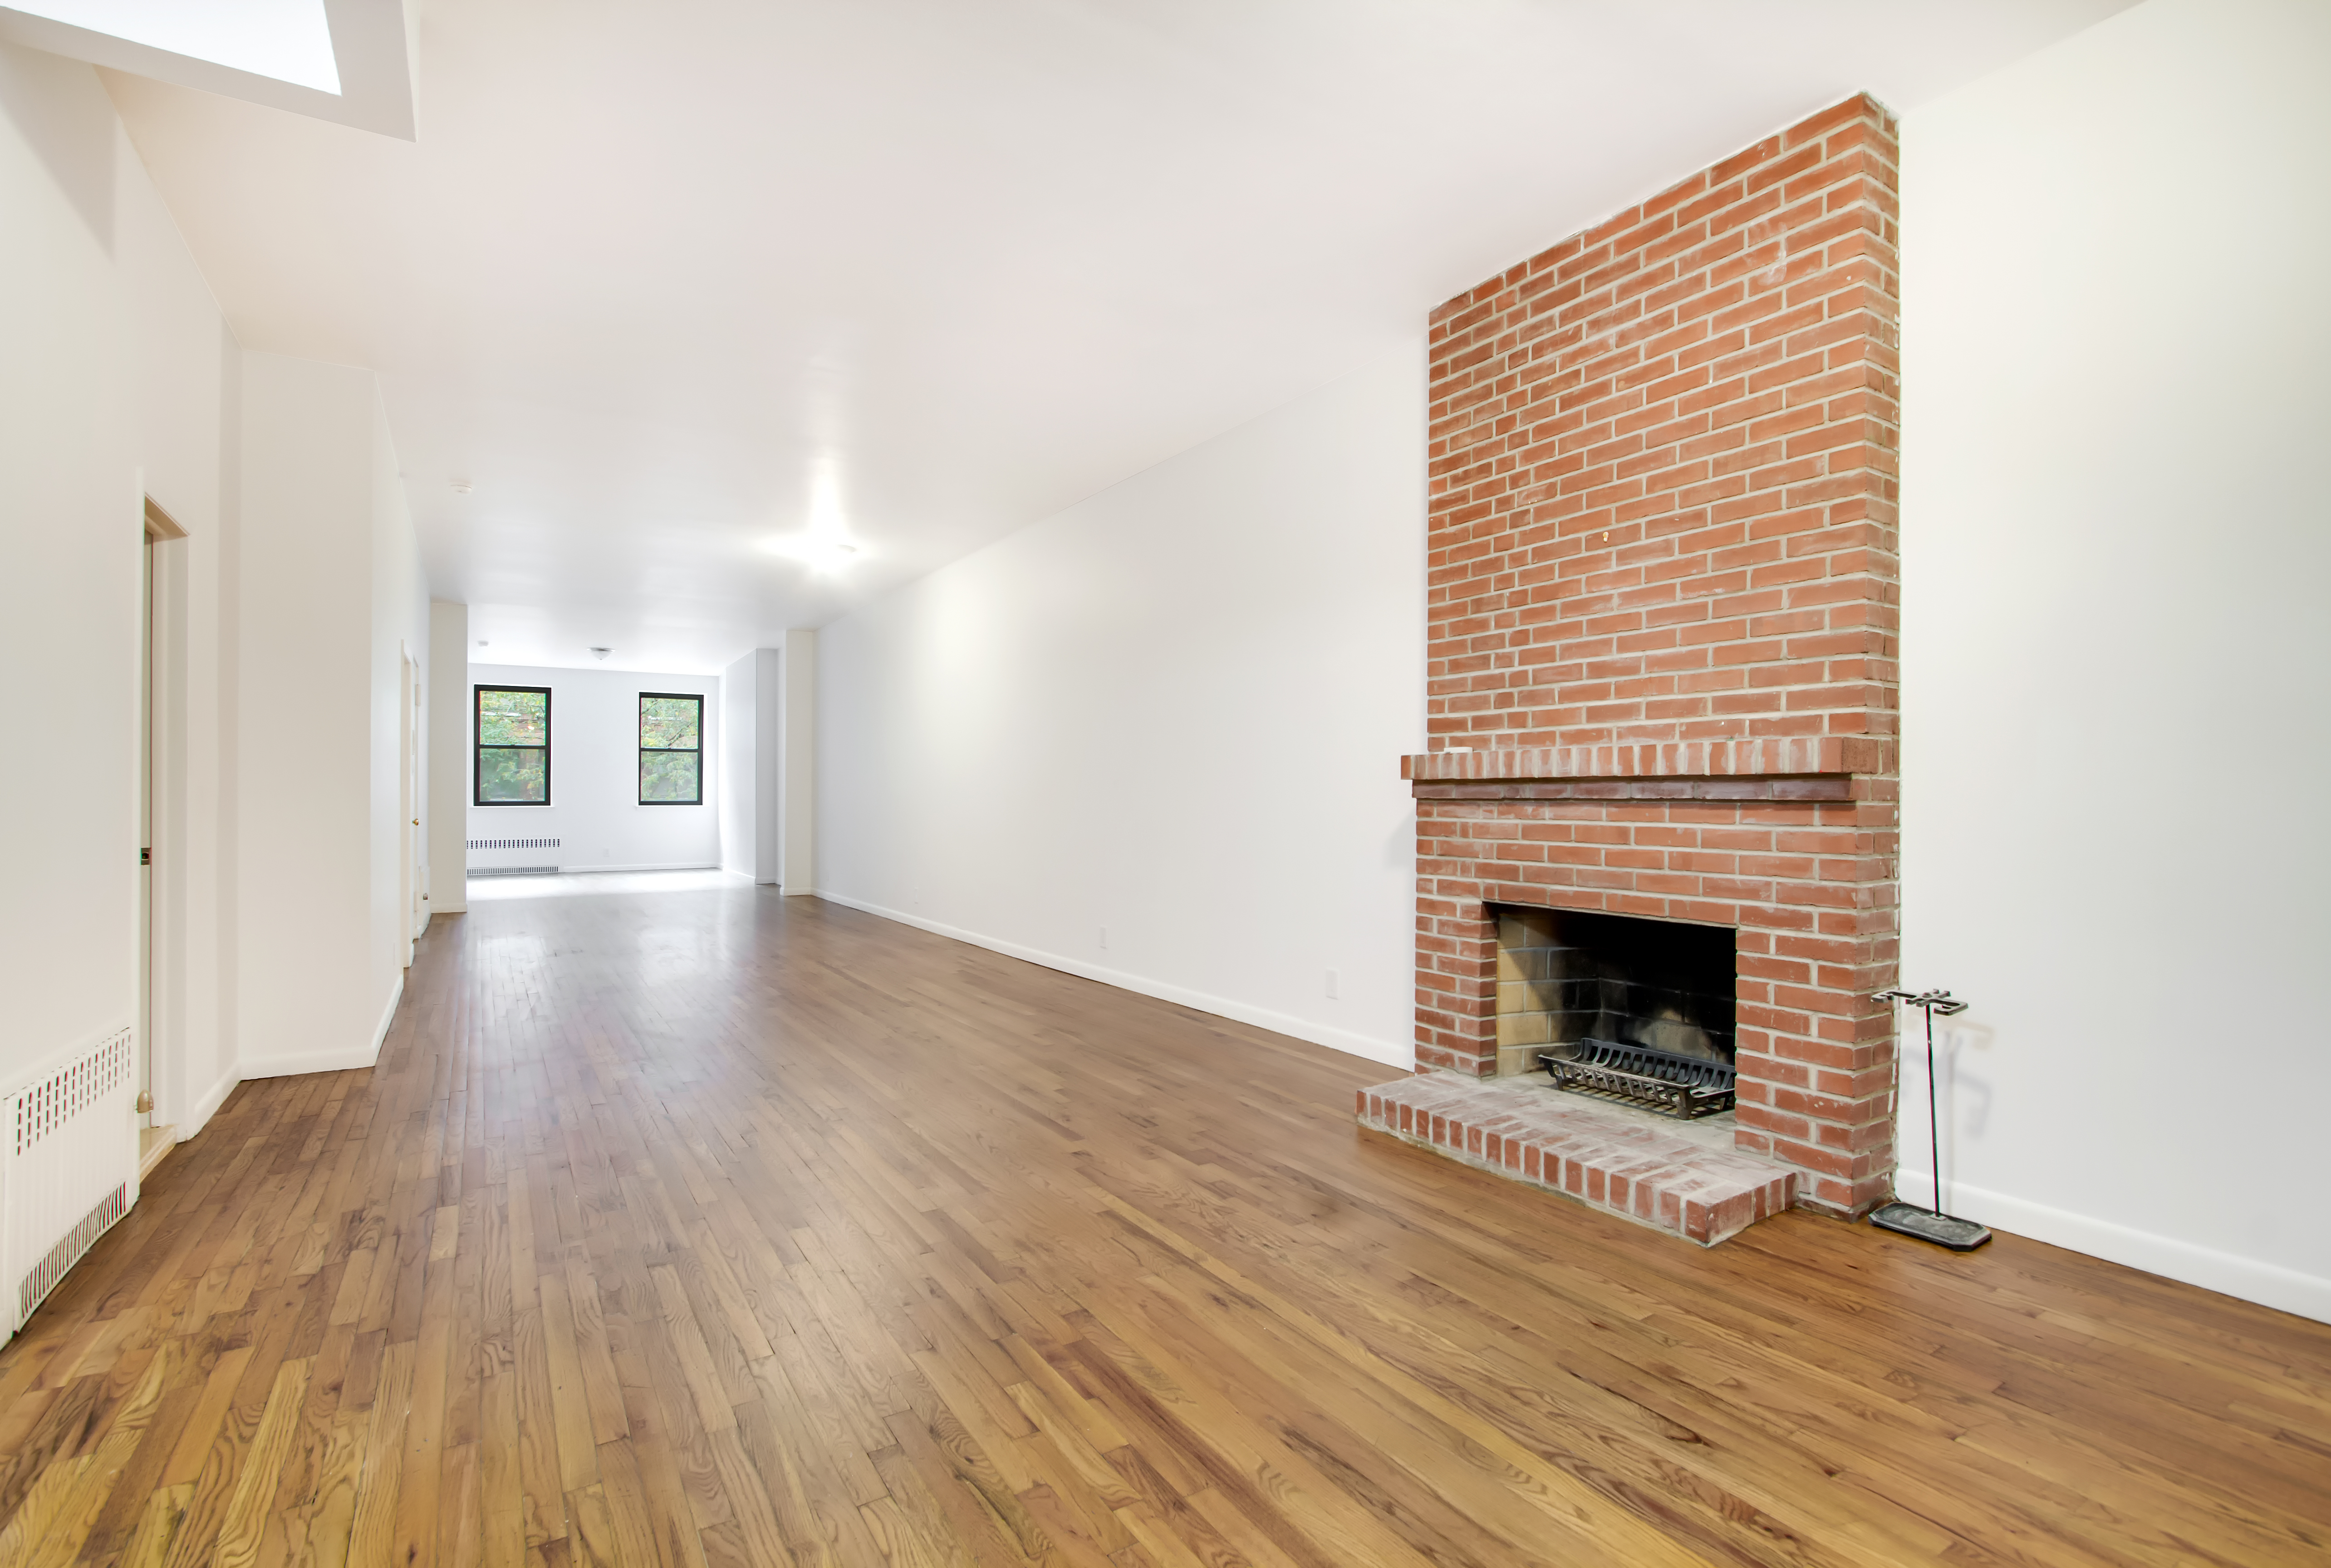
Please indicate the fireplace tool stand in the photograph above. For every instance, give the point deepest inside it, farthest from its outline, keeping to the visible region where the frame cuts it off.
(1908, 1219)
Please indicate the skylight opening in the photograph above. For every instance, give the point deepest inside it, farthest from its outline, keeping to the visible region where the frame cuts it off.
(285, 40)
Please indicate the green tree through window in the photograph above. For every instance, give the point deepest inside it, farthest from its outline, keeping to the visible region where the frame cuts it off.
(671, 749)
(513, 734)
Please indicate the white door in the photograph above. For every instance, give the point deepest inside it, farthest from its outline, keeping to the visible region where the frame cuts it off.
(417, 861)
(408, 815)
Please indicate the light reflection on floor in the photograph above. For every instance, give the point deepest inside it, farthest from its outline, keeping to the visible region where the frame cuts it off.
(584, 884)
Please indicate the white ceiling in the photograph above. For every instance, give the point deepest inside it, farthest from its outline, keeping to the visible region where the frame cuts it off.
(654, 277)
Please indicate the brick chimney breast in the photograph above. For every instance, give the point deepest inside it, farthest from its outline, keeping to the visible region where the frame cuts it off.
(1662, 601)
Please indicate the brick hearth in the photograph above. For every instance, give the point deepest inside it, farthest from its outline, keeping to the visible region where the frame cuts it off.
(1626, 1163)
(1662, 620)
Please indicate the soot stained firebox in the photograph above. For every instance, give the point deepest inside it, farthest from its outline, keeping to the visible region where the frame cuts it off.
(1617, 1005)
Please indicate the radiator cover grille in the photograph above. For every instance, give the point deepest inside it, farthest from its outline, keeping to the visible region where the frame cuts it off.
(64, 1094)
(513, 844)
(69, 1168)
(36, 1285)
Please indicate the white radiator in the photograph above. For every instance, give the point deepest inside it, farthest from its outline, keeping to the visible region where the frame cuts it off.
(515, 857)
(68, 1169)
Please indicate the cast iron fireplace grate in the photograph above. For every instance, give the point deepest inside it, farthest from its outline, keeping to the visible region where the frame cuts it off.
(1680, 1085)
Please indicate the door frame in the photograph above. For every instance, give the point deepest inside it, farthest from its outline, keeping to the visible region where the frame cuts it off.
(160, 607)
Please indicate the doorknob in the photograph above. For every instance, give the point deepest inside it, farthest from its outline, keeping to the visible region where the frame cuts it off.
(416, 822)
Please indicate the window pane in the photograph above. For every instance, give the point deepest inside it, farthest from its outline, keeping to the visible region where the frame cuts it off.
(669, 775)
(513, 718)
(669, 721)
(513, 774)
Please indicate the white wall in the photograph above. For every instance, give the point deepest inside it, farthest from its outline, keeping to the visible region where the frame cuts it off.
(795, 827)
(1176, 710)
(69, 600)
(215, 786)
(400, 631)
(330, 594)
(278, 621)
(752, 732)
(448, 757)
(118, 370)
(594, 774)
(2115, 646)
(187, 374)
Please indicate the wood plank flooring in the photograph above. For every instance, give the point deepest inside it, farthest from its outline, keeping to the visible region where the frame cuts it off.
(711, 1229)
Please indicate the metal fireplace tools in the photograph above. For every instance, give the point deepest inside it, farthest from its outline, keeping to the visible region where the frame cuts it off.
(1908, 1219)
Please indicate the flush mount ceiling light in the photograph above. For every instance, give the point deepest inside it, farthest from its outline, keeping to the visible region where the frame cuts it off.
(461, 487)
(346, 61)
(825, 546)
(600, 652)
(821, 552)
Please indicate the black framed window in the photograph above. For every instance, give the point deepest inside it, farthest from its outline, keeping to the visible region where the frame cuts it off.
(513, 746)
(671, 749)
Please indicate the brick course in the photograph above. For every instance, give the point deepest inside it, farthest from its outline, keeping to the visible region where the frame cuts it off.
(1662, 601)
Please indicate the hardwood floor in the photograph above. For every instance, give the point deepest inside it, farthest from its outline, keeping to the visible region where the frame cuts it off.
(713, 1228)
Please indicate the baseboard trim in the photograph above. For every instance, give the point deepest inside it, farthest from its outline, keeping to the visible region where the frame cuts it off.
(388, 1016)
(336, 1059)
(199, 1116)
(339, 1060)
(2229, 1274)
(1401, 1055)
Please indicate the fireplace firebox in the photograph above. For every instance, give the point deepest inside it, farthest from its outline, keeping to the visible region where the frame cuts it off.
(1565, 975)
(1619, 1006)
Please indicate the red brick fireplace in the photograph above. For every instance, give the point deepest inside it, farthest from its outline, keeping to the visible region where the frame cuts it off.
(1663, 578)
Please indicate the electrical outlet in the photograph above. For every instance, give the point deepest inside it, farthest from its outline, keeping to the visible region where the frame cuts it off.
(1331, 985)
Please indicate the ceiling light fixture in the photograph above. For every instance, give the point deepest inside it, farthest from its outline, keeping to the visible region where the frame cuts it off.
(461, 487)
(825, 546)
(600, 652)
(821, 552)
